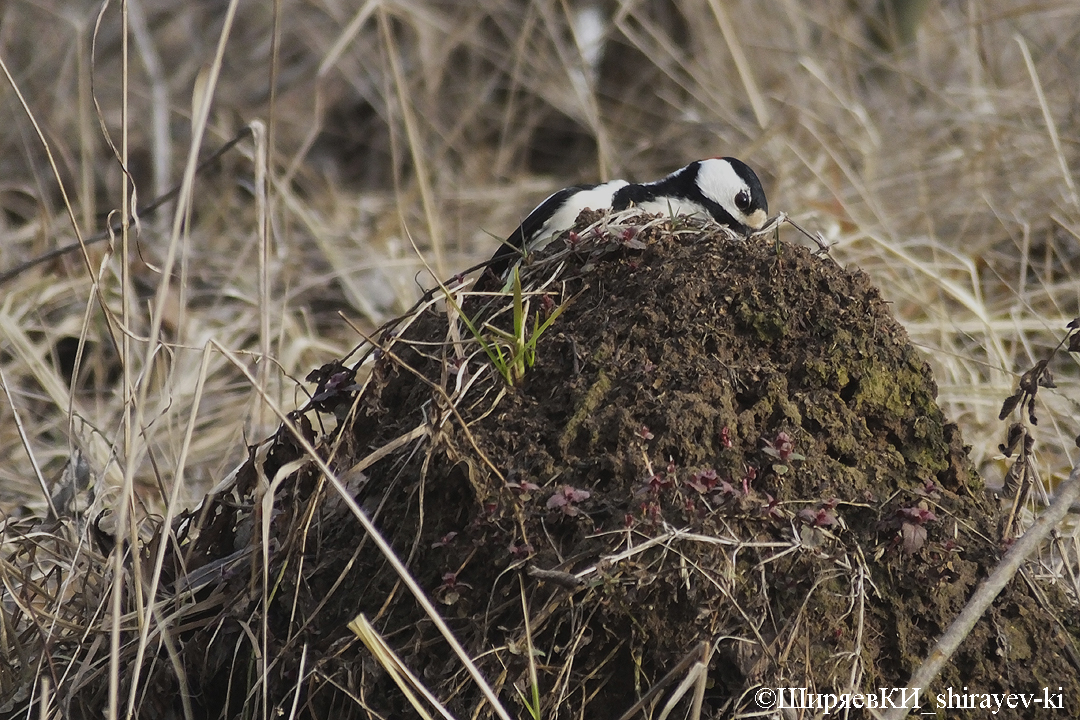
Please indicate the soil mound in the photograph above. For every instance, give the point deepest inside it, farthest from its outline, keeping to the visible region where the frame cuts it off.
(721, 441)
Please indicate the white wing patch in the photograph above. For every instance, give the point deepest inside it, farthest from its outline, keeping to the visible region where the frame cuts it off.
(598, 198)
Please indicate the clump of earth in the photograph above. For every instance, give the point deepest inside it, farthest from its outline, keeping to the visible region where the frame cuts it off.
(721, 441)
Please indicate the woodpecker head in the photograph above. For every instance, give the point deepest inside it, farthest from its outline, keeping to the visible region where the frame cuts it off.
(731, 184)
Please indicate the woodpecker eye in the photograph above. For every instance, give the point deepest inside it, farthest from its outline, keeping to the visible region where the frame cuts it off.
(742, 200)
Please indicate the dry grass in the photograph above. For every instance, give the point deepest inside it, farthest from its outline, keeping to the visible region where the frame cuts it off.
(943, 170)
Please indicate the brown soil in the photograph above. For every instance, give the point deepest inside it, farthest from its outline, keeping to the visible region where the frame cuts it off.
(761, 402)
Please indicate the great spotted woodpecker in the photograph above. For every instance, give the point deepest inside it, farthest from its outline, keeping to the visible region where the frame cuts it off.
(725, 189)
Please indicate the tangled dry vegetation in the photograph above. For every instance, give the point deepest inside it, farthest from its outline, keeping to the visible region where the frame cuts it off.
(382, 147)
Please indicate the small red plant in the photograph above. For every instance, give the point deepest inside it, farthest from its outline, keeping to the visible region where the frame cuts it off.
(783, 449)
(912, 521)
(565, 499)
(445, 539)
(704, 480)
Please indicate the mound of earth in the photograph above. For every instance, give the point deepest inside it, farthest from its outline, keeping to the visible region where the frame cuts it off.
(720, 441)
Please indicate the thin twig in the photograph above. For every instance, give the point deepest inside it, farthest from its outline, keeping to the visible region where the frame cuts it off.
(114, 228)
(376, 537)
(27, 446)
(416, 149)
(742, 65)
(992, 586)
(1051, 127)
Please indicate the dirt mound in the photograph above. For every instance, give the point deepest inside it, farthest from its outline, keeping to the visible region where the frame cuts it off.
(720, 441)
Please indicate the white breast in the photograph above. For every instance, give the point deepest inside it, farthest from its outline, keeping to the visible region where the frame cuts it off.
(673, 206)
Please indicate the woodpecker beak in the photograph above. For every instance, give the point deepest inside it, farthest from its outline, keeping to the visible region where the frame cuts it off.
(756, 220)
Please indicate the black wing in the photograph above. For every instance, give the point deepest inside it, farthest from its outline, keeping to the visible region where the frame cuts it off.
(515, 246)
(633, 194)
(678, 184)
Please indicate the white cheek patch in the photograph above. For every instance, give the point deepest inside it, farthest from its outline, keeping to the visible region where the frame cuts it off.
(719, 183)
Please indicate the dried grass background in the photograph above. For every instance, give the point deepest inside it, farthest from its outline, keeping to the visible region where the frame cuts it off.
(943, 167)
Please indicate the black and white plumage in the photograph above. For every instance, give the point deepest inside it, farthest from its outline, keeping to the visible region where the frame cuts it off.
(725, 189)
